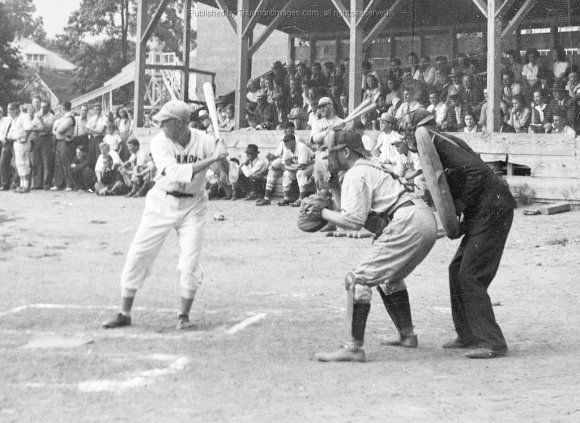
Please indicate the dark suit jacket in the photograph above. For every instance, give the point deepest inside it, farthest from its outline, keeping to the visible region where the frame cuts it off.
(486, 196)
(452, 123)
(569, 106)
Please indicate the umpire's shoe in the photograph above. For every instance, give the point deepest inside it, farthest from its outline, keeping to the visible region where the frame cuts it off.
(118, 322)
(344, 353)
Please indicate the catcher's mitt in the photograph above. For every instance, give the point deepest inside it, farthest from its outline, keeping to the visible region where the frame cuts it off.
(310, 214)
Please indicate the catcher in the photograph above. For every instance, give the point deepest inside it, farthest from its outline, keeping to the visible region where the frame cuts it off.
(405, 231)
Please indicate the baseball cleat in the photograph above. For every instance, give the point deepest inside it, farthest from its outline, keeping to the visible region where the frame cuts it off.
(182, 321)
(118, 322)
(345, 353)
(402, 341)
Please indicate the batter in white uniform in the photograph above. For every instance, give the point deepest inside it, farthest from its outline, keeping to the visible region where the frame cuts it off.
(178, 201)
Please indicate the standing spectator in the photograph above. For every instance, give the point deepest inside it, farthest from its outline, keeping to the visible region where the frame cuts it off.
(42, 148)
(483, 115)
(81, 134)
(82, 174)
(372, 89)
(392, 91)
(531, 68)
(561, 66)
(462, 63)
(344, 104)
(396, 70)
(96, 128)
(63, 131)
(112, 138)
(514, 63)
(456, 86)
(12, 132)
(438, 108)
(124, 127)
(539, 109)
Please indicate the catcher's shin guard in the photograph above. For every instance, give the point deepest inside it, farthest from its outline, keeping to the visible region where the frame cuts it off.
(360, 313)
(402, 309)
(389, 306)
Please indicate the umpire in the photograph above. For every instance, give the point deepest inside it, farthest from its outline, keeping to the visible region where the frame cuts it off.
(487, 206)
(405, 231)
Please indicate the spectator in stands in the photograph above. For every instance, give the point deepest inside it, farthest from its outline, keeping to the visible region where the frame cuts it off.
(335, 92)
(462, 62)
(381, 103)
(456, 85)
(344, 104)
(265, 112)
(472, 94)
(82, 174)
(561, 66)
(560, 124)
(368, 142)
(470, 125)
(251, 121)
(297, 165)
(562, 102)
(426, 72)
(442, 82)
(384, 148)
(396, 71)
(539, 111)
(409, 105)
(302, 72)
(228, 124)
(252, 175)
(392, 91)
(413, 65)
(299, 118)
(269, 88)
(295, 98)
(367, 70)
(317, 79)
(531, 68)
(290, 73)
(438, 108)
(520, 114)
(456, 112)
(328, 72)
(573, 86)
(372, 84)
(305, 87)
(514, 63)
(281, 110)
(483, 114)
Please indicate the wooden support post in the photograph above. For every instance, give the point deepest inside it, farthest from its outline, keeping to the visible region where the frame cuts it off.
(494, 30)
(138, 104)
(186, 49)
(242, 62)
(355, 55)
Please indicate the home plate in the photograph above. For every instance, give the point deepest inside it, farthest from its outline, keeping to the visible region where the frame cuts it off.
(56, 341)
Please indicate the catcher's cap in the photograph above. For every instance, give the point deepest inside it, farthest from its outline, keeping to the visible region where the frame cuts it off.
(351, 140)
(174, 109)
(252, 149)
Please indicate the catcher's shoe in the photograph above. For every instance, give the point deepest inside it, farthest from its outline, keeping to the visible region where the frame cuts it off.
(182, 321)
(263, 202)
(344, 353)
(402, 341)
(118, 322)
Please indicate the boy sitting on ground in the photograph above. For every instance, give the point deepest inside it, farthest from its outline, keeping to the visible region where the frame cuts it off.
(110, 181)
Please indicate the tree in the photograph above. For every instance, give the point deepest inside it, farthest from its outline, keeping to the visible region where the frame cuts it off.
(10, 64)
(24, 23)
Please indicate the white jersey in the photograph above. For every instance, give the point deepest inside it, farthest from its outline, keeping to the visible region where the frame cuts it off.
(173, 162)
(387, 151)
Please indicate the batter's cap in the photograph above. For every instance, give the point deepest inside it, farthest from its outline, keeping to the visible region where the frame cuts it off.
(174, 109)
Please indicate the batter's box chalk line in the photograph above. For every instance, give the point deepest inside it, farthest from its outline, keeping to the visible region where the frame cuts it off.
(241, 325)
(173, 364)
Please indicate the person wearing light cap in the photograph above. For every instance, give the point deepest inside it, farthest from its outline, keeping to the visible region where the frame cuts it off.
(405, 231)
(178, 201)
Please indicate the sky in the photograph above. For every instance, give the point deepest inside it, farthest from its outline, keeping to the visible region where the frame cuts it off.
(55, 14)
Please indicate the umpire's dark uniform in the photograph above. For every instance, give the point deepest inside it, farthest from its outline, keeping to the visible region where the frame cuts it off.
(488, 214)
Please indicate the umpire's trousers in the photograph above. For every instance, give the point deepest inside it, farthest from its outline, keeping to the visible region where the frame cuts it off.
(470, 274)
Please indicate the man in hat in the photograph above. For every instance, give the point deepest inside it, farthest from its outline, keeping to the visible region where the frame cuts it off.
(405, 231)
(265, 112)
(486, 205)
(385, 150)
(178, 201)
(252, 176)
(562, 101)
(296, 165)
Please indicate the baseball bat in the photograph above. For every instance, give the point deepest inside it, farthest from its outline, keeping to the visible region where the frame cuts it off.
(359, 107)
(359, 113)
(211, 108)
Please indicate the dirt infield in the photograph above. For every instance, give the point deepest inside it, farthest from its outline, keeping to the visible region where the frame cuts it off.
(273, 297)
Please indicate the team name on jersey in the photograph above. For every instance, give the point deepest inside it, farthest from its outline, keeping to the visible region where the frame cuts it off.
(186, 158)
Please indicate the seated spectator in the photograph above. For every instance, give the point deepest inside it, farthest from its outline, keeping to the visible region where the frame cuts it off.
(562, 101)
(133, 166)
(252, 122)
(110, 181)
(456, 112)
(545, 83)
(147, 175)
(82, 175)
(561, 66)
(204, 121)
(281, 110)
(112, 138)
(560, 124)
(438, 108)
(265, 112)
(297, 165)
(408, 105)
(384, 148)
(470, 125)
(426, 72)
(442, 83)
(372, 89)
(228, 123)
(344, 104)
(531, 68)
(456, 85)
(462, 63)
(472, 95)
(252, 175)
(381, 103)
(101, 164)
(295, 98)
(317, 79)
(539, 109)
(392, 92)
(573, 86)
(299, 118)
(483, 114)
(519, 114)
